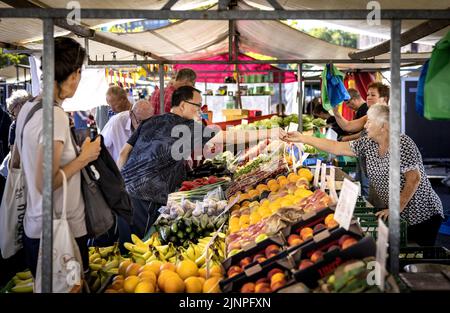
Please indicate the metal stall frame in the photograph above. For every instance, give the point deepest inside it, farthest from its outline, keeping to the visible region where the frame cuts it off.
(49, 15)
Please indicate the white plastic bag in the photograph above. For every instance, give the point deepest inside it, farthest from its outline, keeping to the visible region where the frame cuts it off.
(67, 263)
(12, 212)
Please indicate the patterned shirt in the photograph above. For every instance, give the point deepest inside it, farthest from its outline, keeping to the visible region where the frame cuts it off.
(425, 203)
(161, 145)
(154, 100)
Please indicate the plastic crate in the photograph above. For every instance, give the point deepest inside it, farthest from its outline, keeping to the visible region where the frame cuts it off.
(369, 225)
(414, 255)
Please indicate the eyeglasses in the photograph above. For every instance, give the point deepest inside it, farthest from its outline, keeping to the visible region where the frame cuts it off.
(199, 105)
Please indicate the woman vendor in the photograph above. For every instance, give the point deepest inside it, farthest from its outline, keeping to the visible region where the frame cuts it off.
(420, 206)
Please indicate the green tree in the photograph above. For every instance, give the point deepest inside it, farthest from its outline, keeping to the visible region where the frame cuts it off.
(334, 36)
(11, 59)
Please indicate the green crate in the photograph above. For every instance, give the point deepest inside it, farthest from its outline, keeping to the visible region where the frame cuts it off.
(363, 207)
(369, 225)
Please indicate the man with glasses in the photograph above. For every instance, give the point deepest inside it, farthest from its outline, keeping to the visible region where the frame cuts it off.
(154, 161)
(122, 125)
(357, 104)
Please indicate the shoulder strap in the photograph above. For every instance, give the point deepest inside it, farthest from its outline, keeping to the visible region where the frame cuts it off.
(30, 114)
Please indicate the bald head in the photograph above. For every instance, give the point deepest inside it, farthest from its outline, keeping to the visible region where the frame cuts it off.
(143, 110)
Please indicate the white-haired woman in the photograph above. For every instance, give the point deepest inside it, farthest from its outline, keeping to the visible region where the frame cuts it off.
(420, 206)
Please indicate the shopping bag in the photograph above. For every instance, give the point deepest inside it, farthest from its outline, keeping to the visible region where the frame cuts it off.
(333, 86)
(12, 212)
(67, 262)
(437, 82)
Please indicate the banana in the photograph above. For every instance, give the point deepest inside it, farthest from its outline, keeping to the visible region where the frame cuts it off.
(113, 271)
(104, 252)
(136, 240)
(172, 260)
(147, 255)
(21, 282)
(24, 275)
(23, 288)
(96, 285)
(139, 259)
(140, 248)
(111, 264)
(104, 262)
(162, 249)
(190, 252)
(95, 267)
(93, 257)
(156, 241)
(129, 246)
(97, 261)
(152, 258)
(149, 241)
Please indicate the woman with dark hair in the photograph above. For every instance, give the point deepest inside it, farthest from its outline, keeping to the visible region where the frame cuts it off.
(69, 59)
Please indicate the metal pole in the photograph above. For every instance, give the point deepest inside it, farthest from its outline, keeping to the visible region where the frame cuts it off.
(300, 97)
(394, 148)
(280, 97)
(48, 67)
(161, 88)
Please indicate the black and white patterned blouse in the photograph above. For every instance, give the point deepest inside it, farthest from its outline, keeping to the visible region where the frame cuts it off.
(425, 203)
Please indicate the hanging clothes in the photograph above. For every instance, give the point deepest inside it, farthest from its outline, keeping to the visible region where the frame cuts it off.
(437, 82)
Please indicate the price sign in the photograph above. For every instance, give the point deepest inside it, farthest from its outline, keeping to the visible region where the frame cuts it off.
(381, 257)
(346, 204)
(332, 184)
(293, 127)
(323, 176)
(317, 173)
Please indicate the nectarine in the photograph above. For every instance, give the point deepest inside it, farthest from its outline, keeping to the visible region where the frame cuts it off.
(294, 240)
(306, 233)
(316, 256)
(263, 288)
(319, 227)
(348, 243)
(245, 262)
(271, 250)
(273, 272)
(305, 264)
(234, 270)
(248, 288)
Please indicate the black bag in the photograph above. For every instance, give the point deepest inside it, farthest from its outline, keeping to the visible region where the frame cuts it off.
(111, 184)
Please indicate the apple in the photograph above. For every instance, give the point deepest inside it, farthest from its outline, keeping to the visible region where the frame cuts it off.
(248, 288)
(305, 264)
(316, 256)
(273, 272)
(348, 243)
(319, 227)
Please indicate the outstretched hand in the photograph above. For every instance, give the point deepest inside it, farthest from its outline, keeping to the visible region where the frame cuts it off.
(291, 136)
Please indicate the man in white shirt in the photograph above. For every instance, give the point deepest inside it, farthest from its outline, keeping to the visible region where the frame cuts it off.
(120, 127)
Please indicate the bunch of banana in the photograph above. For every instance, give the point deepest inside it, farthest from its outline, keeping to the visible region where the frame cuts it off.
(23, 282)
(143, 252)
(106, 259)
(197, 252)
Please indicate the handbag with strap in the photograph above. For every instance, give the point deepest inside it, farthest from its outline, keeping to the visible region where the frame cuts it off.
(98, 214)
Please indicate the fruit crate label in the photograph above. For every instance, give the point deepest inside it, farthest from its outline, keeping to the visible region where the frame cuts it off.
(346, 204)
(253, 270)
(323, 176)
(244, 122)
(381, 256)
(321, 236)
(317, 173)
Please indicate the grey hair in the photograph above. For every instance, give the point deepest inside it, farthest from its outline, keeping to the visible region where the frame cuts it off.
(379, 113)
(18, 98)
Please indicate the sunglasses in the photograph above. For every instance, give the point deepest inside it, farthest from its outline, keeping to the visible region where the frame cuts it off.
(199, 105)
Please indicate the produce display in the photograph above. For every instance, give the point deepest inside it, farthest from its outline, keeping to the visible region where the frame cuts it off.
(276, 121)
(22, 282)
(218, 166)
(181, 223)
(199, 182)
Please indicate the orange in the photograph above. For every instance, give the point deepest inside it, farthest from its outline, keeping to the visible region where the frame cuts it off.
(186, 269)
(133, 269)
(174, 284)
(194, 284)
(293, 177)
(304, 172)
(168, 266)
(164, 276)
(148, 274)
(154, 266)
(123, 267)
(145, 286)
(211, 285)
(130, 283)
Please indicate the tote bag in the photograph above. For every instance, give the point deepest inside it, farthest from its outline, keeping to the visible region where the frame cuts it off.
(67, 262)
(12, 212)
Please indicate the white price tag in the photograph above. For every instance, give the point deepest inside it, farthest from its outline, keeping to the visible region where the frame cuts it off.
(323, 176)
(303, 158)
(293, 127)
(331, 135)
(381, 257)
(332, 184)
(346, 204)
(244, 122)
(294, 160)
(317, 173)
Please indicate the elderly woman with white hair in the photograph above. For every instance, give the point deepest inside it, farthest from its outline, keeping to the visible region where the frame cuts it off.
(420, 206)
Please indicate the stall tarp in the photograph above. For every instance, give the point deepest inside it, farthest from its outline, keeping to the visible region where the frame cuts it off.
(227, 70)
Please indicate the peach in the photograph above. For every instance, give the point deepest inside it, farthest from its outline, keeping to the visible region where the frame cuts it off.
(294, 240)
(234, 270)
(348, 243)
(316, 256)
(245, 262)
(248, 288)
(332, 224)
(263, 280)
(271, 251)
(263, 288)
(343, 238)
(278, 277)
(261, 259)
(273, 272)
(306, 233)
(258, 256)
(305, 264)
(275, 285)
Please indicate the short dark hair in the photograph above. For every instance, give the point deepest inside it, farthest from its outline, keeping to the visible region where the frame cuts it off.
(182, 94)
(186, 74)
(383, 89)
(354, 94)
